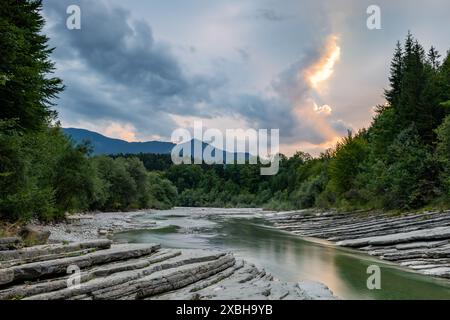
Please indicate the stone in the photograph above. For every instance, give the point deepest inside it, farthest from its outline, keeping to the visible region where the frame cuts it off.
(404, 237)
(51, 249)
(34, 235)
(9, 243)
(36, 270)
(315, 290)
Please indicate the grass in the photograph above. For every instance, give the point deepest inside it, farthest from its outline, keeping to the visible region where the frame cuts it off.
(9, 229)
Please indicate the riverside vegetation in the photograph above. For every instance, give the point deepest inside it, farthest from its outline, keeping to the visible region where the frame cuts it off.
(402, 161)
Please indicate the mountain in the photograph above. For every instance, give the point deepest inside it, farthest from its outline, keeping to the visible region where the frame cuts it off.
(105, 145)
(192, 144)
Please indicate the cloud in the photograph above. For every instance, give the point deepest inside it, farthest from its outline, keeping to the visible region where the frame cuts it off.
(323, 69)
(245, 56)
(300, 84)
(293, 106)
(116, 69)
(121, 78)
(271, 15)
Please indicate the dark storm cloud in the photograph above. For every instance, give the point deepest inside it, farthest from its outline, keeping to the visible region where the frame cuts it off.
(126, 60)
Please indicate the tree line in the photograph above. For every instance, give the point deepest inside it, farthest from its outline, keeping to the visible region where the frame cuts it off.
(401, 162)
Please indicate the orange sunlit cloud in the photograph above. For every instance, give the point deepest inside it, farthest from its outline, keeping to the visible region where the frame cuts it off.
(125, 132)
(309, 110)
(324, 68)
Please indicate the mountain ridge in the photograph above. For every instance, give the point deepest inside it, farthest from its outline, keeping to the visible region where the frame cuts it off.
(103, 145)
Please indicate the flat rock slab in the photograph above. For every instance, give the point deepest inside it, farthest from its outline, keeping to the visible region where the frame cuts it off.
(443, 272)
(42, 250)
(10, 240)
(9, 243)
(418, 235)
(37, 270)
(423, 244)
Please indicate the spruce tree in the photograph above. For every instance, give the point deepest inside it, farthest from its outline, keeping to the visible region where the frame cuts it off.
(395, 77)
(411, 108)
(444, 74)
(26, 89)
(433, 58)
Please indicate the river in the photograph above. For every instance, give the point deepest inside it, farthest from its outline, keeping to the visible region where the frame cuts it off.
(249, 235)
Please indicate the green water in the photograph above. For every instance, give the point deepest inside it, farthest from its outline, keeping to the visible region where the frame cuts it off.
(286, 256)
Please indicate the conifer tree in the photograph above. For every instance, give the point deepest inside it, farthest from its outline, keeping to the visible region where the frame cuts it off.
(26, 90)
(395, 77)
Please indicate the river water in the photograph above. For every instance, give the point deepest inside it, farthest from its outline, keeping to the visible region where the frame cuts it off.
(249, 235)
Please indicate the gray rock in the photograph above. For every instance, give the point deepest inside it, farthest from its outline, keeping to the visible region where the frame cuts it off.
(9, 243)
(102, 232)
(37, 270)
(417, 245)
(316, 290)
(443, 272)
(50, 249)
(404, 237)
(34, 235)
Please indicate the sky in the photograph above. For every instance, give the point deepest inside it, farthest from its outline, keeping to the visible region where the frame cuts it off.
(137, 70)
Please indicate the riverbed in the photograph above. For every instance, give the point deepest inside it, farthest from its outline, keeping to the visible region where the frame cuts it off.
(249, 235)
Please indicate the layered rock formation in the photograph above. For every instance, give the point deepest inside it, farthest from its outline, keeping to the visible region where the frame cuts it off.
(138, 271)
(418, 241)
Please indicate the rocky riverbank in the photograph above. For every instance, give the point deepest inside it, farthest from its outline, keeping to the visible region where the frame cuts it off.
(81, 227)
(131, 271)
(420, 242)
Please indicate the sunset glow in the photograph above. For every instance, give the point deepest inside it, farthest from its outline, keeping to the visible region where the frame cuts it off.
(324, 68)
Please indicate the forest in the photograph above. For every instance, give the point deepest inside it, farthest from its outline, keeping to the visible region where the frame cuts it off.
(401, 162)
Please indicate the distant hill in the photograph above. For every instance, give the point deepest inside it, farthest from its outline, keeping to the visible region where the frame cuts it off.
(105, 145)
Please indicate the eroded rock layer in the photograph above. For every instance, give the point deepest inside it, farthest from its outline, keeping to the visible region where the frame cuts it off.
(138, 271)
(417, 241)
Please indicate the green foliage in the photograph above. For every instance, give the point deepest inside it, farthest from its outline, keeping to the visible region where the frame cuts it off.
(410, 173)
(26, 166)
(26, 90)
(73, 179)
(343, 168)
(124, 184)
(443, 154)
(162, 193)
